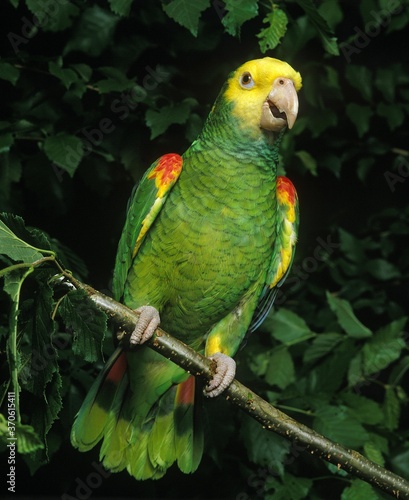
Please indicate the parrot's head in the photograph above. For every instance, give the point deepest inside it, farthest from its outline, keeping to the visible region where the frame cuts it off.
(262, 96)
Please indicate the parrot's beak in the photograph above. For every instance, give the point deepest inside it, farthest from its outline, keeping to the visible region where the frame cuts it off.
(280, 109)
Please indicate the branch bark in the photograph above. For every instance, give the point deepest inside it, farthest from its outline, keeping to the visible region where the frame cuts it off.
(242, 397)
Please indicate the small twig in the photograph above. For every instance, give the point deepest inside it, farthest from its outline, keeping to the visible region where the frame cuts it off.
(25, 265)
(239, 395)
(400, 151)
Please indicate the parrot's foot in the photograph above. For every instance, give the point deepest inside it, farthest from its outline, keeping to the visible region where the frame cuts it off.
(148, 322)
(223, 377)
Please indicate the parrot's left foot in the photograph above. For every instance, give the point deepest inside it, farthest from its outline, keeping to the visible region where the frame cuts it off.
(223, 377)
(148, 322)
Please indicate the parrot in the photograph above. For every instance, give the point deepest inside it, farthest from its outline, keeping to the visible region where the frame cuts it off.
(209, 238)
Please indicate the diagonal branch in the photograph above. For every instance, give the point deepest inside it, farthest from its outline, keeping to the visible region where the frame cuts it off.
(239, 395)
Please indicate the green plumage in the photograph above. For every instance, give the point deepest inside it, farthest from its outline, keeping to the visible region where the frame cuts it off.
(203, 256)
(209, 246)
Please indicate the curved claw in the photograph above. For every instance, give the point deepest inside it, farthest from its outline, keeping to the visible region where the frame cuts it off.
(223, 377)
(148, 322)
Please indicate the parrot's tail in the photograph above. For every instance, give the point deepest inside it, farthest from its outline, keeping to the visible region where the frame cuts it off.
(144, 432)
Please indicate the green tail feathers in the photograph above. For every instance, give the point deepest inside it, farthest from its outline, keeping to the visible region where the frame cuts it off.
(143, 431)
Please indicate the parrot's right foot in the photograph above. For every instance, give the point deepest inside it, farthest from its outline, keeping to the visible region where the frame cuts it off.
(223, 377)
(148, 322)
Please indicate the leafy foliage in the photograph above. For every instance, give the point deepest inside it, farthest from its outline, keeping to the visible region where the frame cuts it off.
(93, 92)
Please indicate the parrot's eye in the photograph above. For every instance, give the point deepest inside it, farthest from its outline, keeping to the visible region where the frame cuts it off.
(246, 80)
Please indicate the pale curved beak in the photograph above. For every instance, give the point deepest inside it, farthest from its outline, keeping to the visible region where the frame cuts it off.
(281, 106)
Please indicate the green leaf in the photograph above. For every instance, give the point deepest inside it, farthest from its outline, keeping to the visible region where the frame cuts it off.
(323, 344)
(13, 282)
(94, 32)
(65, 150)
(385, 82)
(331, 11)
(14, 247)
(315, 18)
(258, 362)
(44, 413)
(328, 376)
(160, 121)
(355, 370)
(53, 17)
(291, 487)
(6, 141)
(364, 166)
(30, 237)
(238, 12)
(380, 442)
(43, 355)
(28, 440)
(22, 435)
(337, 423)
(280, 370)
(9, 72)
(88, 323)
(120, 7)
(117, 81)
(360, 116)
(384, 347)
(308, 161)
(270, 37)
(361, 78)
(392, 113)
(372, 452)
(400, 461)
(397, 22)
(359, 490)
(288, 327)
(365, 410)
(66, 75)
(84, 71)
(319, 121)
(346, 317)
(186, 13)
(264, 447)
(351, 246)
(382, 269)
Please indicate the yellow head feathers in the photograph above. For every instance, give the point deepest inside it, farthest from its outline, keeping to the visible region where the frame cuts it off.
(264, 95)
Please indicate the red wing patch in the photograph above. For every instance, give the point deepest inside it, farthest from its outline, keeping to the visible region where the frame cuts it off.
(166, 172)
(186, 391)
(287, 196)
(286, 190)
(118, 369)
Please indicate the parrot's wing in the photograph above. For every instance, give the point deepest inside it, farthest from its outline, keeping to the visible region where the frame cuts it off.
(144, 206)
(284, 248)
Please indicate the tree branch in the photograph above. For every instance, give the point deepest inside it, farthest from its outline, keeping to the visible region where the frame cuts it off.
(242, 397)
